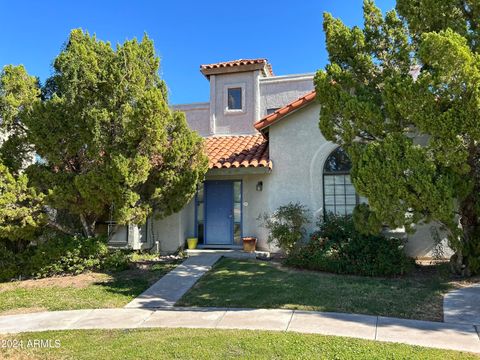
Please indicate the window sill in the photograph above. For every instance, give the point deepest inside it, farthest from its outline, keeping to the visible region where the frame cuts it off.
(234, 112)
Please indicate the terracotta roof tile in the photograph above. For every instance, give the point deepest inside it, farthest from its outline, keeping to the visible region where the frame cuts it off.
(237, 151)
(287, 109)
(239, 62)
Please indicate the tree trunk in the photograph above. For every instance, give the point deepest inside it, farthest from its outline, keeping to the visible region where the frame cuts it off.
(61, 228)
(465, 261)
(87, 228)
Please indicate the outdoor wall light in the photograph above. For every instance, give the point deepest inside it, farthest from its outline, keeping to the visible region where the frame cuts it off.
(260, 186)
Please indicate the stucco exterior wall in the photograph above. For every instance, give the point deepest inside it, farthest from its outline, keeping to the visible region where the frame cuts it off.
(260, 93)
(172, 231)
(278, 91)
(226, 122)
(298, 151)
(424, 244)
(198, 116)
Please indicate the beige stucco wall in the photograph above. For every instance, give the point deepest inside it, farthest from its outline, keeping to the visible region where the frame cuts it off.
(197, 116)
(261, 93)
(298, 151)
(227, 122)
(172, 231)
(277, 91)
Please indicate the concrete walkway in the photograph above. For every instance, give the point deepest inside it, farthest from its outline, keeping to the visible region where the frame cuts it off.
(431, 334)
(170, 288)
(462, 306)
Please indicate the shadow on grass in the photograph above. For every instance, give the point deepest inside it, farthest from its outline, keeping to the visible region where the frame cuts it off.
(133, 281)
(253, 284)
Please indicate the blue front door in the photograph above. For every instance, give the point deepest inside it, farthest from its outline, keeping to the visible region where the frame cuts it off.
(219, 212)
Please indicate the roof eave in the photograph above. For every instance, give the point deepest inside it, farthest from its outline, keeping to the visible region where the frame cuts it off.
(285, 111)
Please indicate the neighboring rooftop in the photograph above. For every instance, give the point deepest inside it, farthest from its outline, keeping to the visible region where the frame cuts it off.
(284, 111)
(239, 65)
(240, 151)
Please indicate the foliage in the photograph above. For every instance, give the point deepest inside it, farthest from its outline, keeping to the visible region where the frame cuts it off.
(339, 248)
(8, 263)
(286, 226)
(18, 91)
(116, 260)
(67, 255)
(103, 127)
(365, 220)
(401, 96)
(21, 211)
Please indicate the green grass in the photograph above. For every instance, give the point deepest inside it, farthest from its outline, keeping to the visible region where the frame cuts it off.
(99, 290)
(215, 344)
(253, 284)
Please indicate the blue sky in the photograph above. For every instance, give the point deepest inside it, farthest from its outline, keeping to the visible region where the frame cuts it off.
(186, 33)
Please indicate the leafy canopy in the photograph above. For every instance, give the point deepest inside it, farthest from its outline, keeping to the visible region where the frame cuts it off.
(106, 136)
(21, 211)
(402, 95)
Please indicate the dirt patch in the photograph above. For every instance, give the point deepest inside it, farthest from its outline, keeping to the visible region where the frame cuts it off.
(77, 281)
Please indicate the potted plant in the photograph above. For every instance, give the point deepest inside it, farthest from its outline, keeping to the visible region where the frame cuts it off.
(249, 243)
(192, 243)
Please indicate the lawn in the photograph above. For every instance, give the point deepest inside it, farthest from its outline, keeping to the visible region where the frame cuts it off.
(213, 344)
(84, 291)
(255, 284)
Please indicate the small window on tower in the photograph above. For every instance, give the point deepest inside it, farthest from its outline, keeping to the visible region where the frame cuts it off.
(234, 98)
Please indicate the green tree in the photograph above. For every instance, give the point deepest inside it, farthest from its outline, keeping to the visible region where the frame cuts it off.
(402, 95)
(21, 211)
(18, 91)
(105, 133)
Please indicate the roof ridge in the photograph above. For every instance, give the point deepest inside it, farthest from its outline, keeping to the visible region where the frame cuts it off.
(205, 68)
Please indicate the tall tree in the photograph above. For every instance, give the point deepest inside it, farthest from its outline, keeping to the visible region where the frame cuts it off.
(22, 215)
(402, 95)
(106, 136)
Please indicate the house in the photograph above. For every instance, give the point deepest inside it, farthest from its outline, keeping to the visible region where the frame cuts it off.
(265, 150)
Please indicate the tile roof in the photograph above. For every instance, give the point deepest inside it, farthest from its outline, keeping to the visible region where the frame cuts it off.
(239, 62)
(284, 111)
(240, 151)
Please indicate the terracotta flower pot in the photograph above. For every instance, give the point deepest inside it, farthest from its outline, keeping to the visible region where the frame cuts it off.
(249, 244)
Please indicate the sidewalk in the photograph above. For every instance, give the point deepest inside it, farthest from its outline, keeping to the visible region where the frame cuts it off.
(460, 337)
(171, 287)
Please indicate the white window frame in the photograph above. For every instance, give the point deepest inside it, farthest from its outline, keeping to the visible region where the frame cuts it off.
(228, 111)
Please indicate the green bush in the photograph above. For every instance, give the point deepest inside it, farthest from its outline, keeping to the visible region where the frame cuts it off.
(286, 226)
(67, 255)
(117, 260)
(337, 247)
(9, 268)
(60, 255)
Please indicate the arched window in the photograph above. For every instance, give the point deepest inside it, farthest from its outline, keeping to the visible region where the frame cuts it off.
(339, 195)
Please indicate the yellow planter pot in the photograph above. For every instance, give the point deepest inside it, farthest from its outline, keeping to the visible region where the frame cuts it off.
(192, 243)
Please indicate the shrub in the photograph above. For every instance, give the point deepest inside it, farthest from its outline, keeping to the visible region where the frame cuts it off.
(67, 255)
(116, 260)
(9, 268)
(338, 247)
(286, 226)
